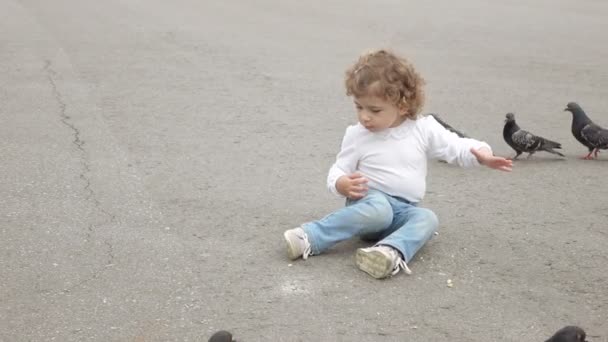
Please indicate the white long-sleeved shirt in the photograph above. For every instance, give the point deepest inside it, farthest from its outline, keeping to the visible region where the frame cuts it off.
(395, 160)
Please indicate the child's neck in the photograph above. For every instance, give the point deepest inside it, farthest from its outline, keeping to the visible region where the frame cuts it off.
(399, 121)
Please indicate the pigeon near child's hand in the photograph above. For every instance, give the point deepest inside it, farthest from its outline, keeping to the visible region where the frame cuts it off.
(524, 141)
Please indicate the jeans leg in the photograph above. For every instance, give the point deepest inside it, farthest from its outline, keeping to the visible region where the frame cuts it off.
(372, 213)
(411, 229)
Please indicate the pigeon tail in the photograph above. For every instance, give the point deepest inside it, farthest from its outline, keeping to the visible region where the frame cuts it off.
(550, 150)
(448, 127)
(551, 144)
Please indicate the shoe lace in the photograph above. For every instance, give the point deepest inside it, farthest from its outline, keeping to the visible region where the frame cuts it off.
(307, 247)
(399, 264)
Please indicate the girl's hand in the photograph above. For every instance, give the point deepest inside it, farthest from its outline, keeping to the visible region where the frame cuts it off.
(485, 157)
(353, 186)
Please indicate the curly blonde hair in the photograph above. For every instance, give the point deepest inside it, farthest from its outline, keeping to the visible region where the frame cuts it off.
(384, 74)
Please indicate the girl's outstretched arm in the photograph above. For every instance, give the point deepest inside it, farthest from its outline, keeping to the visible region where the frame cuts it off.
(485, 157)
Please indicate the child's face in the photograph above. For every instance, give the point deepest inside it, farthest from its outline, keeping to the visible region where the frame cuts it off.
(376, 113)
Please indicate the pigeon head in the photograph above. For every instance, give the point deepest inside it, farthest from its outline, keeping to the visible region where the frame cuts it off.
(569, 334)
(572, 107)
(579, 117)
(510, 117)
(221, 336)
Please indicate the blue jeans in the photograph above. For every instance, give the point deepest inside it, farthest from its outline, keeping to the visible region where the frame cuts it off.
(378, 217)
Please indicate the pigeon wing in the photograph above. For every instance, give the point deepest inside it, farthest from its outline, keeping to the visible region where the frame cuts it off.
(525, 140)
(595, 135)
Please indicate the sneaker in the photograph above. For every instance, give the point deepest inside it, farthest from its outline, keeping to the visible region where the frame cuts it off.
(297, 244)
(380, 261)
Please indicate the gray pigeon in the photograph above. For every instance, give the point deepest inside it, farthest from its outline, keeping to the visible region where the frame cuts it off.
(569, 334)
(524, 141)
(587, 132)
(448, 127)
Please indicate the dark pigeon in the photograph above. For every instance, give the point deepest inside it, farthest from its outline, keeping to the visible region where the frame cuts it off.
(587, 132)
(569, 334)
(448, 127)
(221, 336)
(524, 141)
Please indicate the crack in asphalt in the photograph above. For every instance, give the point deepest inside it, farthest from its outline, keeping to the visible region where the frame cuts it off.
(91, 196)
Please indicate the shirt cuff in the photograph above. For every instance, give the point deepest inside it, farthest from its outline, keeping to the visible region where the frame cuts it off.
(334, 173)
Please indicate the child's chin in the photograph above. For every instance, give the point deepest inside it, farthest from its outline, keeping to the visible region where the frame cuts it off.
(375, 129)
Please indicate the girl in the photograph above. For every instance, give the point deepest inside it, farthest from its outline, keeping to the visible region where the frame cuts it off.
(381, 169)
